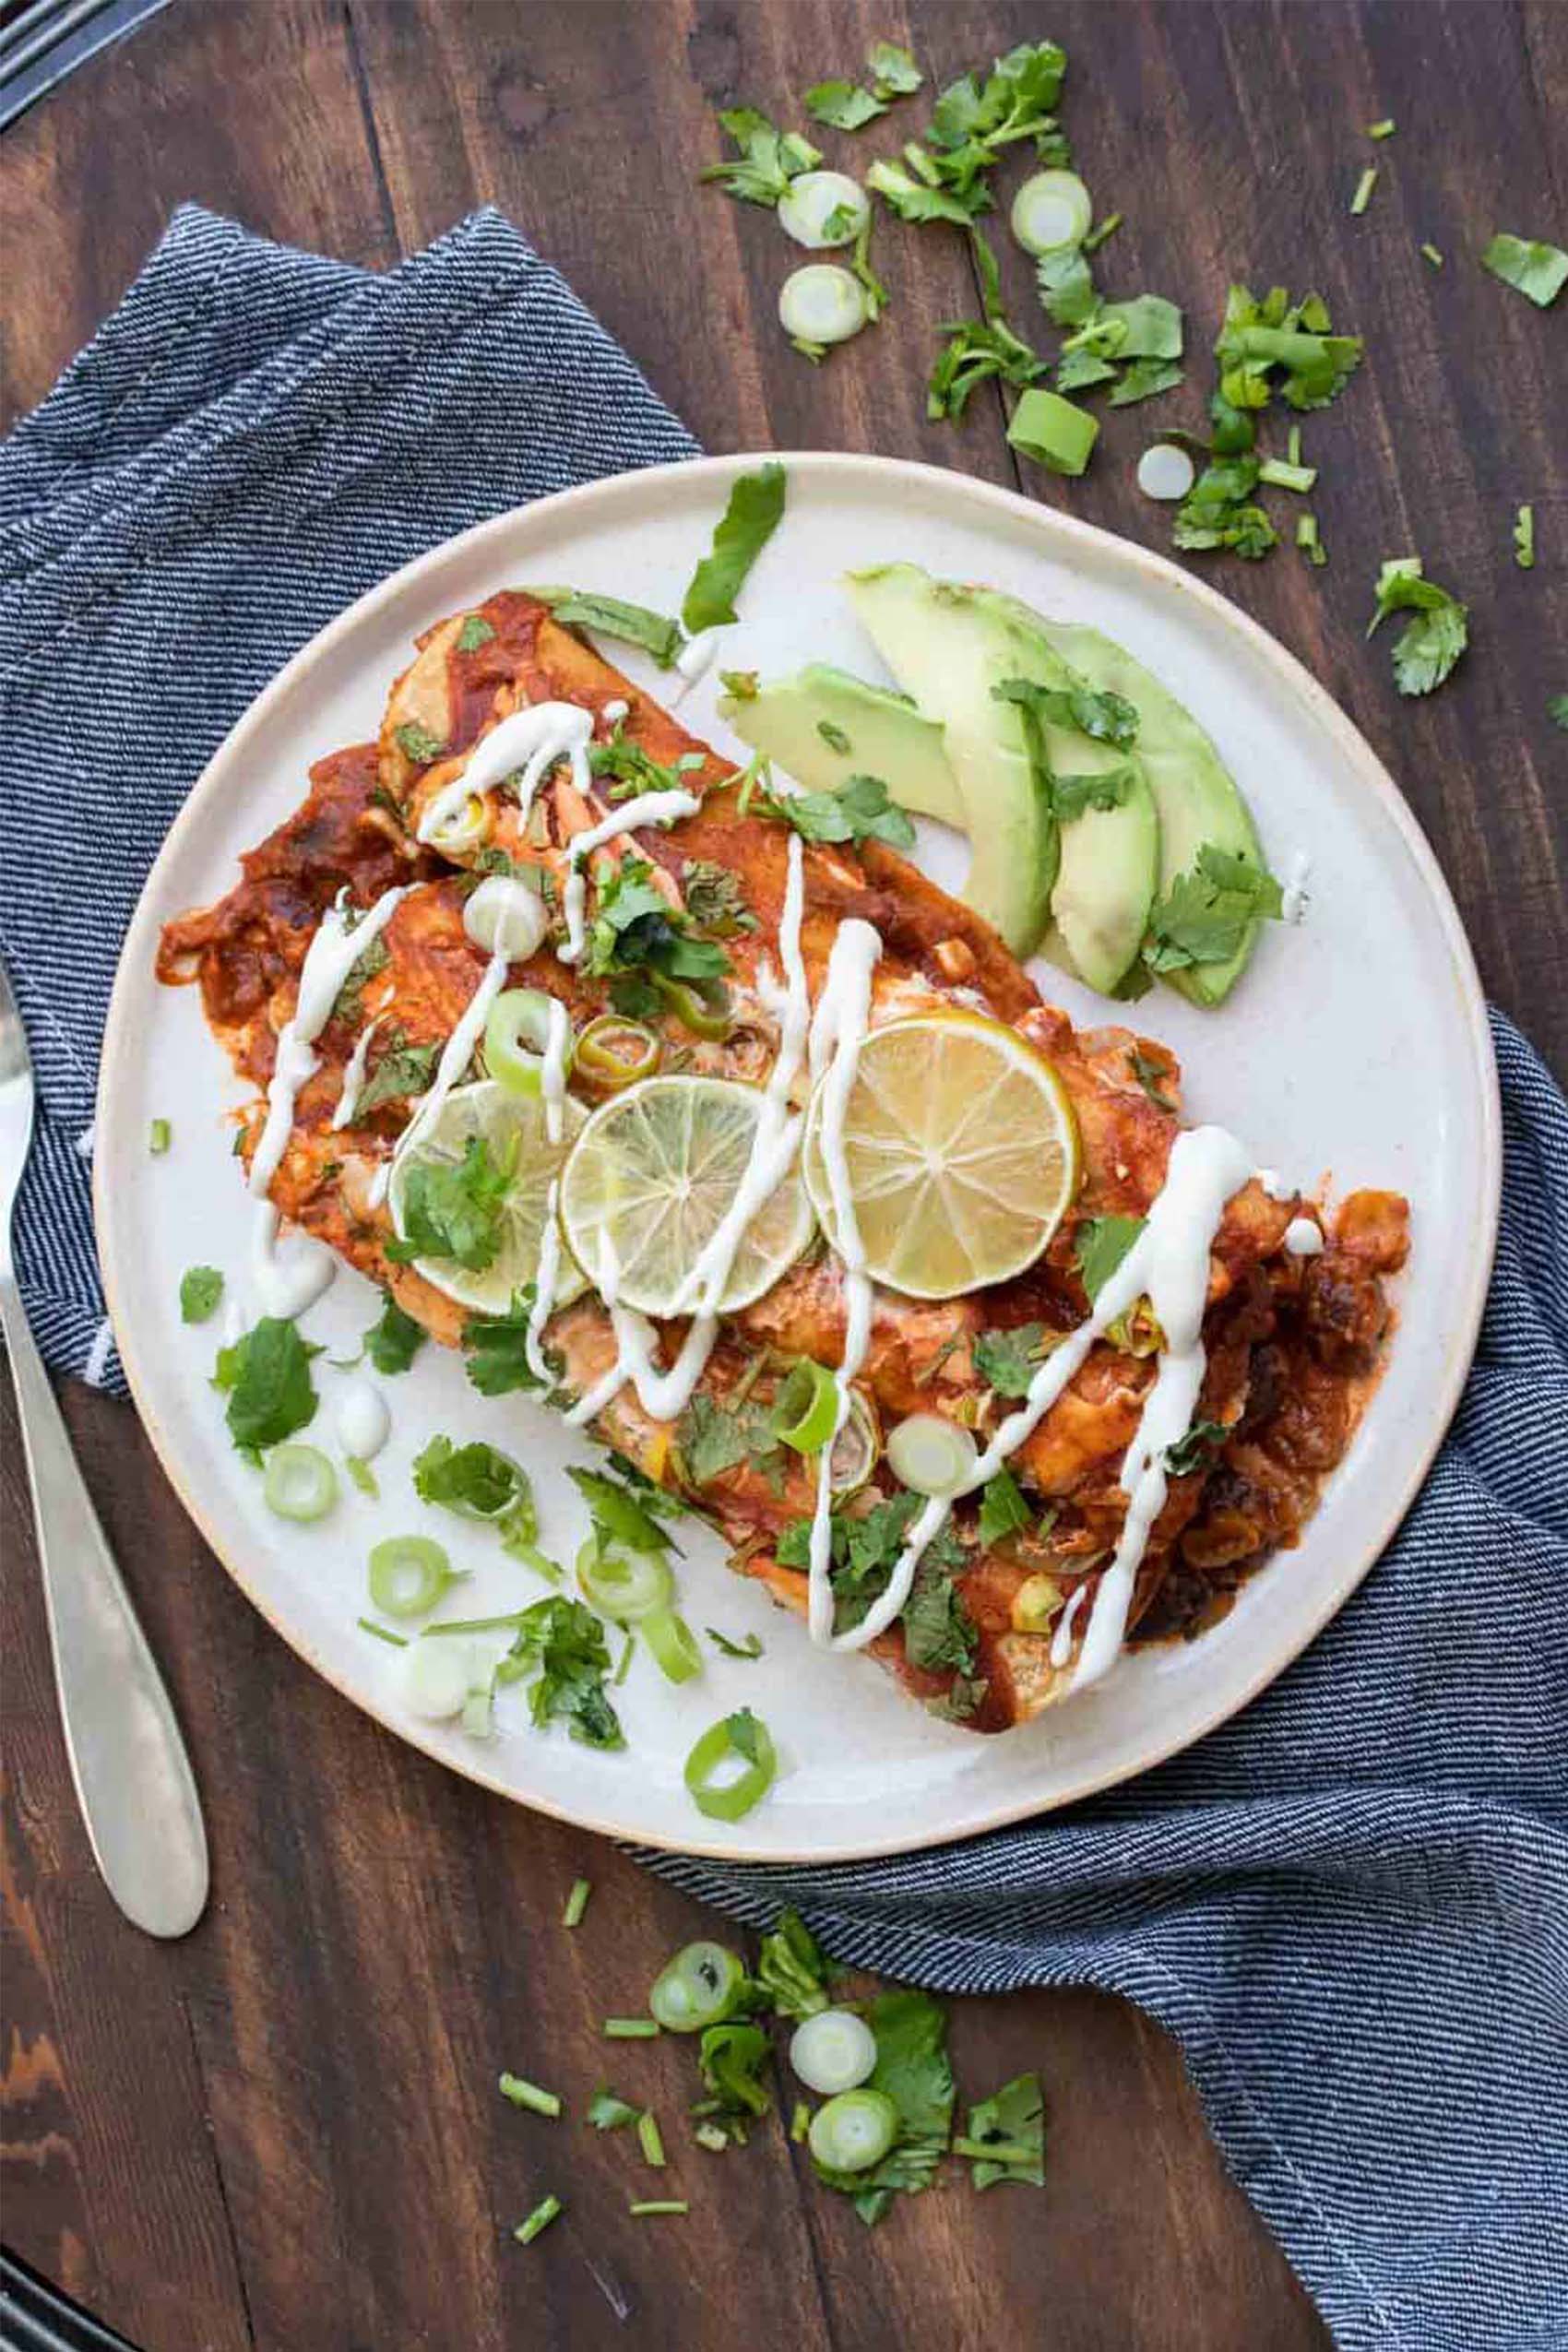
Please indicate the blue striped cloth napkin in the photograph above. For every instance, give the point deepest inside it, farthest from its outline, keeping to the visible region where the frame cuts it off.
(1351, 1904)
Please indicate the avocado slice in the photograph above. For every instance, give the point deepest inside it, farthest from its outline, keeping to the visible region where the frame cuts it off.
(1197, 798)
(801, 721)
(1092, 879)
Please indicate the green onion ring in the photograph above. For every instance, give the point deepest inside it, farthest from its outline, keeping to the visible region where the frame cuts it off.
(624, 1585)
(732, 1799)
(613, 1052)
(674, 1644)
(807, 1409)
(699, 1988)
(299, 1483)
(854, 2130)
(408, 1575)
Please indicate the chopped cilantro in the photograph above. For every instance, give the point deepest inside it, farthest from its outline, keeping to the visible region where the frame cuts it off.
(732, 2058)
(834, 737)
(1524, 539)
(394, 1342)
(1011, 2122)
(478, 1481)
(842, 105)
(265, 1375)
(939, 1632)
(635, 928)
(748, 521)
(768, 159)
(1003, 1511)
(1556, 711)
(751, 1647)
(1152, 1076)
(1143, 378)
(1191, 1451)
(403, 1070)
(916, 199)
(1007, 1360)
(715, 898)
(373, 957)
(636, 999)
(201, 1287)
(1528, 265)
(894, 71)
(656, 633)
(792, 1967)
(1432, 641)
(418, 744)
(630, 770)
(1203, 917)
(622, 1515)
(454, 1210)
(912, 2068)
(1108, 717)
(606, 2112)
(496, 1348)
(567, 1643)
(713, 1438)
(743, 684)
(1066, 287)
(476, 631)
(1099, 1246)
(860, 810)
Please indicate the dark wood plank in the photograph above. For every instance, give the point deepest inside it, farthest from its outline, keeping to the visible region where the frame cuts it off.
(283, 2130)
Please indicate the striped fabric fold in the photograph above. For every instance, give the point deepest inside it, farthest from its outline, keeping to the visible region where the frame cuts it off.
(1350, 1904)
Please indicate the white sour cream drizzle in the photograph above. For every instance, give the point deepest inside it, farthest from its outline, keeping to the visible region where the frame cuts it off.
(648, 807)
(693, 661)
(1304, 1238)
(353, 1076)
(532, 741)
(666, 1393)
(1062, 1640)
(547, 1274)
(361, 1420)
(1170, 1262)
(842, 1017)
(287, 1286)
(553, 1075)
(1295, 899)
(456, 1055)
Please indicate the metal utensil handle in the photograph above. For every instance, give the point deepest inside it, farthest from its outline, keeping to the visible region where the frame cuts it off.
(133, 1776)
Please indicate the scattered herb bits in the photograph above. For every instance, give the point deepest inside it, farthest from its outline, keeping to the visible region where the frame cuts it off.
(530, 2096)
(540, 2218)
(1436, 633)
(1529, 265)
(201, 1287)
(1524, 539)
(1364, 187)
(751, 515)
(576, 1903)
(160, 1136)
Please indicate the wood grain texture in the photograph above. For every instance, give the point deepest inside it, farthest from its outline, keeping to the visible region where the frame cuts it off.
(283, 2133)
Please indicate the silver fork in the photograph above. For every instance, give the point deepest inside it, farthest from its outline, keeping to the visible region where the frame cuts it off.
(132, 1774)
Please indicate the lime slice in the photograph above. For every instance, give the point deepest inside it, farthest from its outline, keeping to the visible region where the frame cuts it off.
(650, 1180)
(961, 1153)
(513, 1127)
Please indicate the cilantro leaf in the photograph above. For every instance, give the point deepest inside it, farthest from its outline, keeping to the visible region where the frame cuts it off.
(1191, 1451)
(403, 1070)
(1428, 644)
(656, 633)
(1003, 1511)
(477, 1482)
(1108, 717)
(1008, 1359)
(394, 1342)
(751, 1647)
(938, 1630)
(860, 810)
(1014, 2119)
(1066, 287)
(1205, 915)
(914, 2069)
(716, 898)
(1072, 795)
(201, 1287)
(567, 1643)
(635, 929)
(1099, 1246)
(1143, 378)
(713, 1437)
(266, 1374)
(606, 2112)
(793, 1968)
(916, 200)
(476, 631)
(619, 1514)
(893, 70)
(1528, 265)
(1151, 1075)
(454, 1210)
(977, 350)
(1556, 711)
(496, 1348)
(732, 2058)
(844, 105)
(748, 521)
(418, 744)
(373, 957)
(768, 159)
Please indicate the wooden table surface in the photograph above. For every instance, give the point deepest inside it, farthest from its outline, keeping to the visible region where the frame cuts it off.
(283, 2131)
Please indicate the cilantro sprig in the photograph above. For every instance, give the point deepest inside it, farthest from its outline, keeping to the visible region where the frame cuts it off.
(266, 1377)
(768, 159)
(749, 520)
(1436, 635)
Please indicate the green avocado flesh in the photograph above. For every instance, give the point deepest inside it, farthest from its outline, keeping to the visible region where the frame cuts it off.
(1089, 882)
(824, 726)
(1194, 793)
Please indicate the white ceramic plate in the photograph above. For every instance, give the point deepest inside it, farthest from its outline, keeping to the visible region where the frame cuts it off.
(1355, 1047)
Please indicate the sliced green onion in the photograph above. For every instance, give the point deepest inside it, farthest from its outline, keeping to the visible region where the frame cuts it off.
(1309, 540)
(649, 2139)
(504, 914)
(1364, 187)
(1293, 444)
(1285, 476)
(630, 2029)
(674, 1644)
(361, 1475)
(624, 1585)
(438, 1680)
(806, 1408)
(801, 2122)
(576, 1903)
(625, 1666)
(1430, 252)
(615, 1053)
(368, 1625)
(408, 1575)
(1383, 130)
(528, 2095)
(515, 1036)
(301, 1484)
(1051, 210)
(822, 304)
(540, 2218)
(1524, 539)
(478, 1712)
(1102, 230)
(704, 1017)
(709, 2135)
(856, 1449)
(699, 1988)
(1053, 431)
(833, 2052)
(1166, 472)
(741, 1738)
(929, 1454)
(823, 209)
(854, 2130)
(640, 2209)
(160, 1136)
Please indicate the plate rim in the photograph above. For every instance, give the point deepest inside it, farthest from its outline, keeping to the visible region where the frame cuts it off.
(1360, 760)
